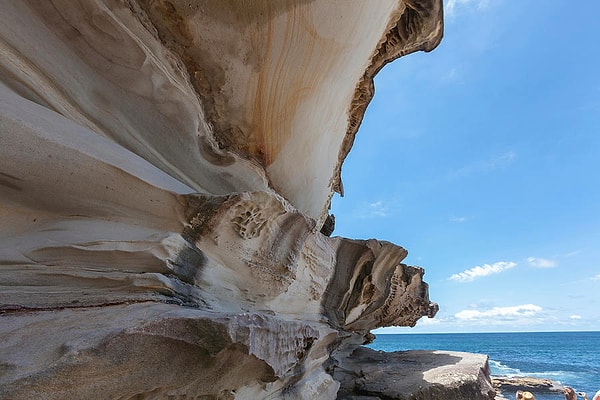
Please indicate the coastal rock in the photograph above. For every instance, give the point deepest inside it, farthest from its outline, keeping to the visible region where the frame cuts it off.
(507, 386)
(415, 374)
(166, 170)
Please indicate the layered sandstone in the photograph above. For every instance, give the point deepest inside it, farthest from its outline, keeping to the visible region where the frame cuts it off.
(165, 170)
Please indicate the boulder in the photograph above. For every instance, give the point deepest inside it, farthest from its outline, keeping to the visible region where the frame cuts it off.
(507, 386)
(413, 375)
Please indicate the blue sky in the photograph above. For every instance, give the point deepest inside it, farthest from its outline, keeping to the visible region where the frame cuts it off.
(482, 159)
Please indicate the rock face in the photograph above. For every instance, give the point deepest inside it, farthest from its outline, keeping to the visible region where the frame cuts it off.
(165, 171)
(415, 374)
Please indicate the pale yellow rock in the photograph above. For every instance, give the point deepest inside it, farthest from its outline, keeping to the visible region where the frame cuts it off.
(165, 169)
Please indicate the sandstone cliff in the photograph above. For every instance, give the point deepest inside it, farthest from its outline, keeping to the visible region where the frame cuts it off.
(165, 169)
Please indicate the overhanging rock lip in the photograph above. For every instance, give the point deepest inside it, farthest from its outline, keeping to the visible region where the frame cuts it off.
(251, 91)
(383, 55)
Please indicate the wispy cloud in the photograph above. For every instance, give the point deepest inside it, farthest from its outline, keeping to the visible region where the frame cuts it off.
(483, 270)
(456, 219)
(573, 253)
(500, 313)
(596, 277)
(378, 209)
(575, 316)
(542, 262)
(500, 161)
(453, 76)
(453, 6)
(430, 321)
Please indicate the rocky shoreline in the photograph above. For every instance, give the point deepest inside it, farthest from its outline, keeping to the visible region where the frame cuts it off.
(506, 386)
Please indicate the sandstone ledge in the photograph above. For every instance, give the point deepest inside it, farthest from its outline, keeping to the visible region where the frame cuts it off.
(507, 386)
(415, 374)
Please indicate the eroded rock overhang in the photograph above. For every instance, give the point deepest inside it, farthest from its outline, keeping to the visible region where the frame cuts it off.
(290, 91)
(282, 84)
(165, 169)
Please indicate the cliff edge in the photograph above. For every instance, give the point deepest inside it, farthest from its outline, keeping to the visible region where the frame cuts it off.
(165, 171)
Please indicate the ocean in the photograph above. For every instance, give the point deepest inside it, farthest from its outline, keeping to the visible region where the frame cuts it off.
(570, 358)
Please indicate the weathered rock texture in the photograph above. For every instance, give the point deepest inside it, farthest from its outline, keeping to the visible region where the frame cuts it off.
(165, 170)
(414, 375)
(507, 386)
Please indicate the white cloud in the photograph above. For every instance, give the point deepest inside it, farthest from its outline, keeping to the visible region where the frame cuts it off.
(500, 313)
(542, 262)
(484, 270)
(452, 6)
(573, 253)
(378, 209)
(430, 321)
(493, 163)
(575, 316)
(453, 76)
(458, 219)
(503, 159)
(596, 278)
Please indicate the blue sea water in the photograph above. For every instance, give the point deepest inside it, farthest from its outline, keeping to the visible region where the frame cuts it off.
(570, 358)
